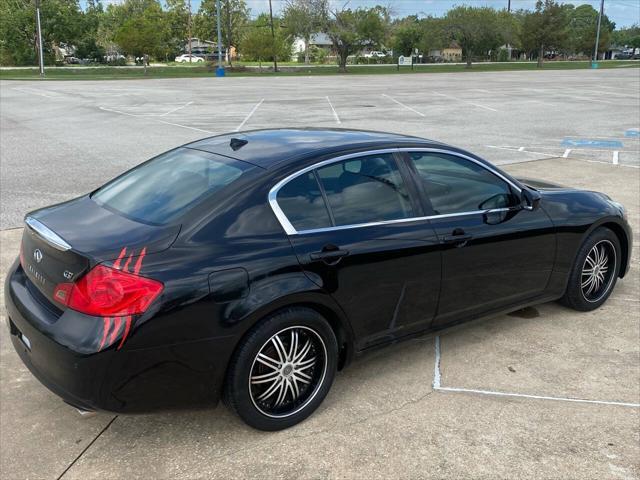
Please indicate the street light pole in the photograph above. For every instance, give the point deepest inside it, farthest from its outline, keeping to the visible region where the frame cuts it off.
(595, 52)
(273, 40)
(189, 28)
(40, 54)
(509, 44)
(219, 70)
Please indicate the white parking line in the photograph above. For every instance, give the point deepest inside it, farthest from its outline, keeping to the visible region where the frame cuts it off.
(33, 91)
(514, 149)
(176, 109)
(155, 120)
(186, 126)
(616, 157)
(253, 110)
(437, 385)
(335, 114)
(566, 153)
(537, 397)
(403, 105)
(464, 101)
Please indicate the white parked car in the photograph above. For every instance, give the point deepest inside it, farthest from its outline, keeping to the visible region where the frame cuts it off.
(374, 54)
(185, 58)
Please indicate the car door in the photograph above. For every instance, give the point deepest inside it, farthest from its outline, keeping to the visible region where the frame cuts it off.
(358, 233)
(495, 253)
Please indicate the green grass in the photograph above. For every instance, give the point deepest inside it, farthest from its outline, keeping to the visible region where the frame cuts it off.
(191, 71)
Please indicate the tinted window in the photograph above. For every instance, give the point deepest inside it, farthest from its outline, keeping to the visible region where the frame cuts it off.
(301, 201)
(366, 189)
(167, 186)
(456, 185)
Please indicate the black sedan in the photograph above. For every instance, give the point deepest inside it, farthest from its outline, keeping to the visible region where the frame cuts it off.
(254, 265)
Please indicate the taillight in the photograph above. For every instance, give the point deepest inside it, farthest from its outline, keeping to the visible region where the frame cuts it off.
(108, 292)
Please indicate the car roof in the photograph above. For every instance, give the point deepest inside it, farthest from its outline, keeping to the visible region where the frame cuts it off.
(270, 147)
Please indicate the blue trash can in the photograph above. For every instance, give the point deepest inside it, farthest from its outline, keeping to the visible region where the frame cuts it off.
(220, 72)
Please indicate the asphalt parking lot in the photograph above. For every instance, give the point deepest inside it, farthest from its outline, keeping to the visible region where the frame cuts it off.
(572, 380)
(62, 139)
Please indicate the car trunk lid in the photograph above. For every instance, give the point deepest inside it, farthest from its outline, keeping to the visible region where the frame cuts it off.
(61, 243)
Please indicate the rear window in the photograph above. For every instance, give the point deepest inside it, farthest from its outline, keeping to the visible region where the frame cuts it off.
(164, 188)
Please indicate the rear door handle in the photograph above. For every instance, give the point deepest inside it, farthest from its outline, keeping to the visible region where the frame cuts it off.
(458, 238)
(329, 256)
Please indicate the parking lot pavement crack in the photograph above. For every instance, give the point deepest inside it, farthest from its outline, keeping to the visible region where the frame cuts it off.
(106, 427)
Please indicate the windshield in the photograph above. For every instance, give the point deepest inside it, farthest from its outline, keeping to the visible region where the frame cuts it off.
(166, 187)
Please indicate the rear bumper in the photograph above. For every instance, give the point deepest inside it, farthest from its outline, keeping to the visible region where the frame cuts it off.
(126, 380)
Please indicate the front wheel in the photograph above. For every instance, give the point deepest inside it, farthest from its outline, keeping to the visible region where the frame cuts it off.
(283, 370)
(595, 271)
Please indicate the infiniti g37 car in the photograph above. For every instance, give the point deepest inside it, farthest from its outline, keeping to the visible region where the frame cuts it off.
(252, 266)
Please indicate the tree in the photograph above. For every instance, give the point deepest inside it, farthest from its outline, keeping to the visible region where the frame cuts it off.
(144, 33)
(544, 29)
(234, 16)
(583, 23)
(352, 30)
(476, 30)
(627, 37)
(258, 44)
(177, 19)
(17, 32)
(88, 45)
(407, 35)
(303, 18)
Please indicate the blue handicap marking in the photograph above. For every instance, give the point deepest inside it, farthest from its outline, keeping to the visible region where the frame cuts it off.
(587, 143)
(632, 132)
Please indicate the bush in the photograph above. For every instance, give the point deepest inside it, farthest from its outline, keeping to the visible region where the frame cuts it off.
(503, 55)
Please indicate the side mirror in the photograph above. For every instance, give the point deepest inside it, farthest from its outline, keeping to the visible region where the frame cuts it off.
(530, 199)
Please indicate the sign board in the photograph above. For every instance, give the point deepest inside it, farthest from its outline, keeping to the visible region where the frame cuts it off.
(403, 61)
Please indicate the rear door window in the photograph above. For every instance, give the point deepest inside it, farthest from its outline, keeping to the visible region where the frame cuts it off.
(302, 202)
(365, 189)
(166, 187)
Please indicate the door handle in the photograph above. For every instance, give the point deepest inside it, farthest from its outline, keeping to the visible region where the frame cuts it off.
(330, 257)
(458, 238)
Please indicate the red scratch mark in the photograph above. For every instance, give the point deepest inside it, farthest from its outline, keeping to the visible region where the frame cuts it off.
(116, 264)
(127, 326)
(117, 321)
(105, 331)
(138, 265)
(116, 328)
(126, 265)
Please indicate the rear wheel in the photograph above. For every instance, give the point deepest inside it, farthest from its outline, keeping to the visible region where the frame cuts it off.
(594, 272)
(283, 370)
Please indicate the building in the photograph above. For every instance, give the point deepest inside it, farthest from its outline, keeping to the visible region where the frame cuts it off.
(318, 40)
(453, 53)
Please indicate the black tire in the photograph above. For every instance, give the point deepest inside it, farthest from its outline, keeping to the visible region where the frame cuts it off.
(579, 296)
(284, 334)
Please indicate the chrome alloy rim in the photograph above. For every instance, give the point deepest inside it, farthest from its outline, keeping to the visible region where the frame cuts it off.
(598, 271)
(287, 372)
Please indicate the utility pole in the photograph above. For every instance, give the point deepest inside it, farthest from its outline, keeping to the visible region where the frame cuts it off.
(509, 44)
(595, 52)
(273, 40)
(40, 54)
(189, 30)
(220, 69)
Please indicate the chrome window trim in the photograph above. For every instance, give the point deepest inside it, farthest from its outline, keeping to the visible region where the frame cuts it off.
(48, 235)
(290, 229)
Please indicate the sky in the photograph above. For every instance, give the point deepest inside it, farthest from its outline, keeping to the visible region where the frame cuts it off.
(623, 12)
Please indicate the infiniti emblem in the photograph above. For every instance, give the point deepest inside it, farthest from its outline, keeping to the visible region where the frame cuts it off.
(37, 255)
